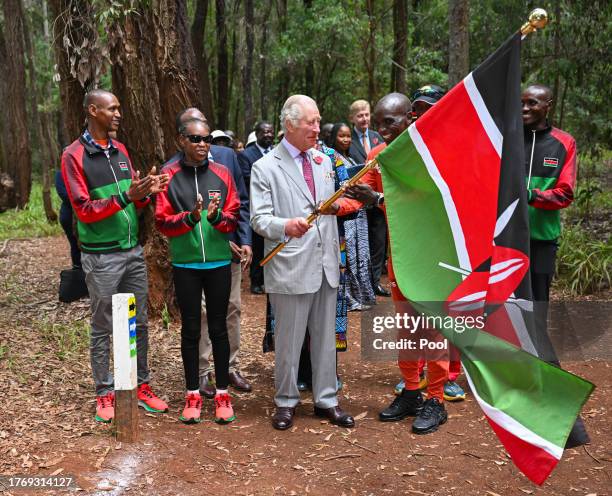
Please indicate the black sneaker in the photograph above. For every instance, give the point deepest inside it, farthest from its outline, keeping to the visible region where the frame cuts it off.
(407, 403)
(431, 416)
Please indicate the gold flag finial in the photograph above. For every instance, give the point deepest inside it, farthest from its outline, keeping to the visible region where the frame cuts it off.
(537, 20)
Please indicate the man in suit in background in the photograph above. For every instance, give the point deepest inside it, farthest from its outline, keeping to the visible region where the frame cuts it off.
(363, 140)
(264, 137)
(302, 280)
(240, 243)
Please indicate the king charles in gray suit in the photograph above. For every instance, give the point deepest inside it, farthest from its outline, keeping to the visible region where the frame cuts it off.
(302, 280)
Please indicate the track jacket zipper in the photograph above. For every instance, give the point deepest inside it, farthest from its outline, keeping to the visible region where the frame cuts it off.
(127, 217)
(197, 191)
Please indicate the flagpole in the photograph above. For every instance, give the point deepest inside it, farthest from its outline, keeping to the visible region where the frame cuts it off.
(323, 206)
(538, 18)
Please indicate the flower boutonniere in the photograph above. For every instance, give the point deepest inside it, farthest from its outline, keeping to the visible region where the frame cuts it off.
(317, 159)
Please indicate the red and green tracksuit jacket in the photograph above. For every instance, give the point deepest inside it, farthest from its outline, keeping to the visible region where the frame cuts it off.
(194, 241)
(97, 186)
(551, 178)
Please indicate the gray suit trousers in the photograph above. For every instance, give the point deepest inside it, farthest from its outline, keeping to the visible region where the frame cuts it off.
(293, 313)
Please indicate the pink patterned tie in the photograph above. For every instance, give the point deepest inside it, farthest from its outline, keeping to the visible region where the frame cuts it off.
(307, 171)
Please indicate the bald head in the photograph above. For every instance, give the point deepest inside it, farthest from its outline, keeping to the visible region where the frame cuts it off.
(300, 120)
(536, 102)
(392, 115)
(103, 115)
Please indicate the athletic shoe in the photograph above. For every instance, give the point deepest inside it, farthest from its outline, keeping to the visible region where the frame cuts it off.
(432, 415)
(406, 404)
(105, 407)
(453, 392)
(423, 382)
(224, 413)
(149, 400)
(193, 408)
(399, 387)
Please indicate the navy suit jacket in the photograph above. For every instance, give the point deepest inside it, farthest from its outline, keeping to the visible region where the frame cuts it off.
(356, 151)
(247, 158)
(227, 157)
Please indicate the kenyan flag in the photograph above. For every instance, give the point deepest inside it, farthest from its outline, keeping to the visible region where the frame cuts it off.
(456, 203)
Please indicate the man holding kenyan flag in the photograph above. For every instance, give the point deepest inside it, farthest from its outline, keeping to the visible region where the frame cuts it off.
(456, 203)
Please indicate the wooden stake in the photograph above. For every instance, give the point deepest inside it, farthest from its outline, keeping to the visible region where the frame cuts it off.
(124, 355)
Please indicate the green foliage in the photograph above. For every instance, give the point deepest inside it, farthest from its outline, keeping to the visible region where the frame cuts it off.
(31, 221)
(584, 263)
(65, 339)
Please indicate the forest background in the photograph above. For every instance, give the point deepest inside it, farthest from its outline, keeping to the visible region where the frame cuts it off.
(239, 59)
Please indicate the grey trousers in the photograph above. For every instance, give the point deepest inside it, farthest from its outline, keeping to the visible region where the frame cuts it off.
(293, 313)
(233, 327)
(105, 275)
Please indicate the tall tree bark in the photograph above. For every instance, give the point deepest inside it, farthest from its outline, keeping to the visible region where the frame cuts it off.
(247, 74)
(263, 58)
(309, 71)
(458, 41)
(222, 66)
(45, 150)
(154, 78)
(235, 49)
(556, 52)
(18, 155)
(79, 60)
(400, 41)
(283, 83)
(370, 51)
(198, 40)
(7, 184)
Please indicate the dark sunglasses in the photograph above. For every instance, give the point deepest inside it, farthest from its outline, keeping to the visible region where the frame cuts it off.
(196, 138)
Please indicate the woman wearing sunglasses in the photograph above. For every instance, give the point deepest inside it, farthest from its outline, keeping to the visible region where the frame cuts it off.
(198, 209)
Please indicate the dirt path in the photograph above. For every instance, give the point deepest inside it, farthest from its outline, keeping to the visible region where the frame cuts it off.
(47, 427)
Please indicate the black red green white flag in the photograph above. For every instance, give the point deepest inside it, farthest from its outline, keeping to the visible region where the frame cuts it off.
(456, 203)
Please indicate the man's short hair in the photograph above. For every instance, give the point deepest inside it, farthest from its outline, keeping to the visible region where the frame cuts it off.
(260, 125)
(357, 106)
(543, 88)
(92, 95)
(179, 118)
(292, 110)
(183, 125)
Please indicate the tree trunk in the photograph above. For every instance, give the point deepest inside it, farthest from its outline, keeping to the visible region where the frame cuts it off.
(198, 32)
(458, 41)
(154, 78)
(79, 61)
(45, 153)
(370, 51)
(283, 84)
(18, 155)
(556, 52)
(263, 57)
(247, 75)
(222, 66)
(400, 40)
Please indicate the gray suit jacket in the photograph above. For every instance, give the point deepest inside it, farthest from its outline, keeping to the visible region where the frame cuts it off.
(279, 193)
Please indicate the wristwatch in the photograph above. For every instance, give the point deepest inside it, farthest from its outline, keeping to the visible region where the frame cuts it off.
(380, 199)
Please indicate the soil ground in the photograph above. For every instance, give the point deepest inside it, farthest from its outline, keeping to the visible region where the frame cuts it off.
(47, 425)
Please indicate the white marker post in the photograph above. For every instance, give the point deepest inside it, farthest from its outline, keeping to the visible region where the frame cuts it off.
(124, 354)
